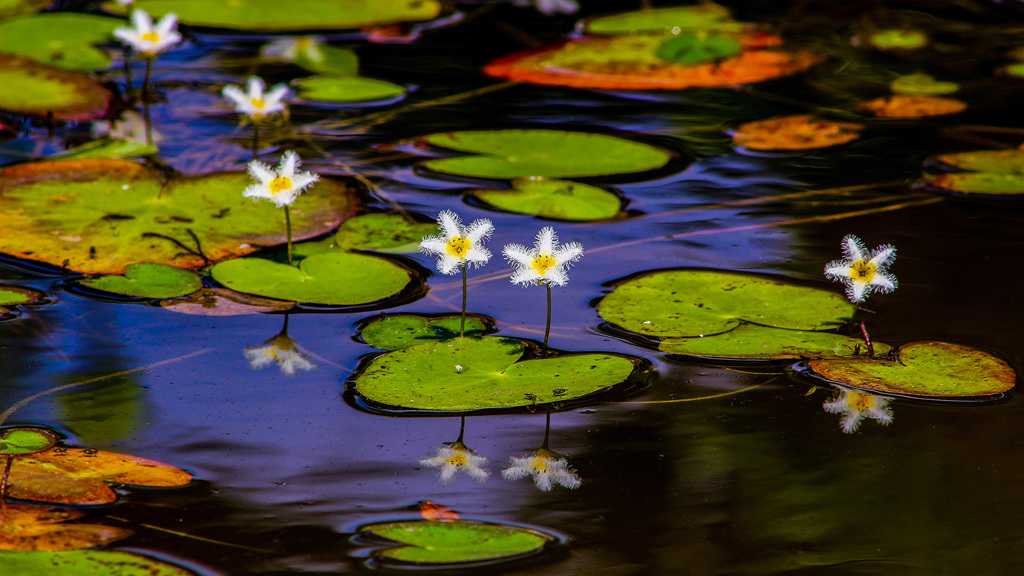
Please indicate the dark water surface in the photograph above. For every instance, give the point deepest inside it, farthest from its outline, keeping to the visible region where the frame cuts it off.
(759, 482)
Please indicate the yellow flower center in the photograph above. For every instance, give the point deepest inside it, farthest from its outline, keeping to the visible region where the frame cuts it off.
(458, 459)
(459, 246)
(539, 465)
(259, 103)
(280, 184)
(151, 37)
(862, 271)
(543, 263)
(860, 402)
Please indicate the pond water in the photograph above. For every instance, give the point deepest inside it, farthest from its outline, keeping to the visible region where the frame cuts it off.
(757, 478)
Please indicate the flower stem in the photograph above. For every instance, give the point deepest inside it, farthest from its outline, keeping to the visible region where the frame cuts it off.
(867, 340)
(462, 326)
(547, 431)
(462, 429)
(255, 138)
(145, 103)
(3, 481)
(547, 325)
(288, 227)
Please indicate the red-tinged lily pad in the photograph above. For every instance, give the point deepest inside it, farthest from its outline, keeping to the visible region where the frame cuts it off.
(904, 106)
(76, 476)
(936, 370)
(16, 295)
(28, 527)
(28, 87)
(631, 63)
(21, 441)
(100, 215)
(801, 132)
(221, 302)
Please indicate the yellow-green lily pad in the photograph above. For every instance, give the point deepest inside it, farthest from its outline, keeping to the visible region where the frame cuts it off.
(990, 172)
(753, 342)
(28, 87)
(687, 303)
(85, 563)
(148, 280)
(704, 17)
(108, 148)
(553, 198)
(898, 39)
(380, 232)
(10, 8)
(451, 544)
(936, 370)
(15, 295)
(18, 441)
(62, 39)
(395, 331)
(922, 85)
(346, 89)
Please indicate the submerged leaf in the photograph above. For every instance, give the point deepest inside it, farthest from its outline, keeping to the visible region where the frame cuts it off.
(395, 331)
(903, 106)
(553, 198)
(27, 527)
(221, 302)
(28, 87)
(753, 342)
(148, 280)
(458, 543)
(800, 132)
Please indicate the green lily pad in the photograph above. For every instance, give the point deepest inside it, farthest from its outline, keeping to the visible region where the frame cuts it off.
(464, 374)
(753, 342)
(1005, 161)
(85, 563)
(381, 232)
(687, 303)
(897, 39)
(697, 48)
(14, 295)
(552, 198)
(992, 172)
(9, 8)
(347, 89)
(108, 148)
(291, 16)
(148, 280)
(457, 543)
(16, 441)
(335, 279)
(102, 215)
(508, 154)
(28, 87)
(65, 40)
(702, 17)
(922, 85)
(395, 331)
(926, 369)
(331, 59)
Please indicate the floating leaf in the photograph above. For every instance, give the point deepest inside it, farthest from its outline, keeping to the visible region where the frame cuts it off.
(631, 63)
(77, 476)
(436, 512)
(64, 40)
(897, 39)
(552, 198)
(385, 232)
(800, 132)
(1008, 161)
(86, 563)
(697, 48)
(508, 154)
(687, 303)
(291, 16)
(20, 441)
(15, 295)
(395, 331)
(108, 148)
(347, 89)
(483, 373)
(753, 342)
(26, 527)
(102, 215)
(221, 302)
(927, 369)
(704, 17)
(28, 87)
(336, 279)
(922, 85)
(148, 280)
(993, 172)
(9, 8)
(458, 543)
(901, 106)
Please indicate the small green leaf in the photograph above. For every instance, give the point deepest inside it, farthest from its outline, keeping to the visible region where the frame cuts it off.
(347, 89)
(395, 331)
(687, 303)
(753, 342)
(14, 295)
(457, 543)
(18, 441)
(697, 48)
(335, 279)
(551, 198)
(922, 85)
(926, 369)
(66, 40)
(702, 17)
(148, 280)
(85, 563)
(897, 39)
(508, 154)
(28, 87)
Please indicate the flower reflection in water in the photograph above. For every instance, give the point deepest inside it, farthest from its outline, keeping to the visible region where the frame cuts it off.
(282, 350)
(856, 406)
(547, 467)
(454, 456)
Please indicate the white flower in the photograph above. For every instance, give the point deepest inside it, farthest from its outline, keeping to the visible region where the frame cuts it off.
(454, 456)
(458, 244)
(282, 186)
(131, 126)
(254, 103)
(143, 37)
(282, 350)
(550, 7)
(856, 406)
(289, 49)
(546, 262)
(860, 272)
(546, 467)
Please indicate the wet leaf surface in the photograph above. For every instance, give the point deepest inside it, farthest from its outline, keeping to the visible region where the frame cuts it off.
(457, 543)
(20, 441)
(27, 527)
(801, 132)
(753, 342)
(15, 295)
(148, 280)
(63, 40)
(553, 198)
(85, 563)
(28, 87)
(395, 331)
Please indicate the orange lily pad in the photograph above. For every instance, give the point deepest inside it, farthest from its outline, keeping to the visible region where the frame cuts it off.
(436, 512)
(631, 63)
(800, 132)
(76, 476)
(27, 527)
(906, 106)
(29, 87)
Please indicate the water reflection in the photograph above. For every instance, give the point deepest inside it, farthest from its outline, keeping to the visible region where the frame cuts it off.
(454, 456)
(856, 406)
(547, 467)
(282, 350)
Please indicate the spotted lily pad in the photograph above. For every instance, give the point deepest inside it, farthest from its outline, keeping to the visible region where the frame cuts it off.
(687, 303)
(346, 89)
(395, 331)
(464, 374)
(76, 476)
(19, 441)
(455, 544)
(753, 342)
(15, 295)
(702, 17)
(100, 215)
(926, 369)
(991, 172)
(553, 198)
(508, 154)
(148, 280)
(697, 48)
(27, 527)
(799, 132)
(291, 16)
(28, 87)
(335, 279)
(65, 40)
(86, 563)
